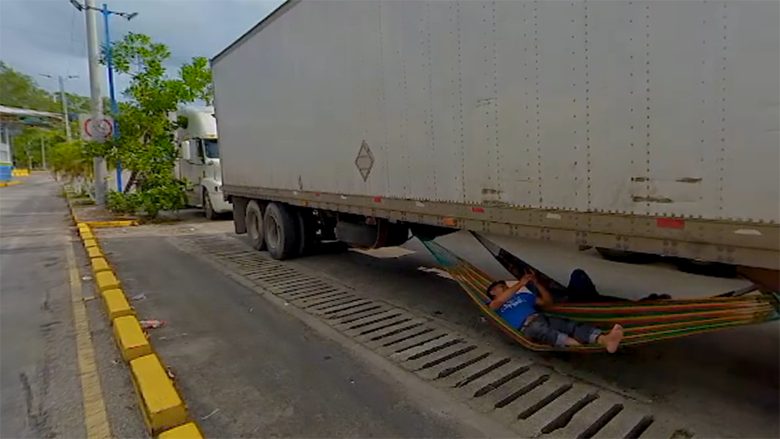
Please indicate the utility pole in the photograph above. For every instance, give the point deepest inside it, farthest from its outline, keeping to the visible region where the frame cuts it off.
(64, 109)
(43, 151)
(61, 79)
(93, 53)
(97, 105)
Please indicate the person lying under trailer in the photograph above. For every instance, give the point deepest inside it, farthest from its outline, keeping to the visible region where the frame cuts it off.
(519, 307)
(579, 290)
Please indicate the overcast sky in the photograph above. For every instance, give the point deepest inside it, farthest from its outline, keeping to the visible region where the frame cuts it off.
(48, 36)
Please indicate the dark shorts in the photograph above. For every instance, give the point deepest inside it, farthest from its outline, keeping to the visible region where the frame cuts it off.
(554, 331)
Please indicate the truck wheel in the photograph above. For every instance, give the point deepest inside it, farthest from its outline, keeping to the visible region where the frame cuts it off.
(208, 207)
(306, 230)
(255, 227)
(281, 231)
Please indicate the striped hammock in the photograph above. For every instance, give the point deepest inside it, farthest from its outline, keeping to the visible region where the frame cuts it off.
(643, 321)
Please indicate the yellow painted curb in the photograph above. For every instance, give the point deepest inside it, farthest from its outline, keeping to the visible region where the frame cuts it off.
(90, 242)
(117, 223)
(163, 409)
(99, 265)
(117, 305)
(186, 431)
(106, 280)
(94, 252)
(130, 338)
(162, 406)
(9, 183)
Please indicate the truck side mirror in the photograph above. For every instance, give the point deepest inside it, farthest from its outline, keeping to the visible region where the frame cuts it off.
(185, 150)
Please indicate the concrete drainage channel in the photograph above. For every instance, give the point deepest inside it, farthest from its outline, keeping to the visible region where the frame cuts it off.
(533, 400)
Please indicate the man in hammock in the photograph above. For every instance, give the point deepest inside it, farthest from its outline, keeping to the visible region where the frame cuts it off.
(580, 289)
(518, 306)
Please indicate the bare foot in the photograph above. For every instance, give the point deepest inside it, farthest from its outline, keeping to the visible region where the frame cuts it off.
(612, 340)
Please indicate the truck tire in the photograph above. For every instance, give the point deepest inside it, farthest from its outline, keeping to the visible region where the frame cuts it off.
(208, 208)
(255, 225)
(281, 231)
(306, 231)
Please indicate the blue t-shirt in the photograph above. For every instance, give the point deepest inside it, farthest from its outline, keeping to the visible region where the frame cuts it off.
(515, 310)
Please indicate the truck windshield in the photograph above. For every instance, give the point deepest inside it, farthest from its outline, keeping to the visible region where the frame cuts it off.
(211, 148)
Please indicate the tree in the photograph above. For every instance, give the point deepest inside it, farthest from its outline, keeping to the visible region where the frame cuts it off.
(77, 104)
(69, 160)
(21, 91)
(144, 143)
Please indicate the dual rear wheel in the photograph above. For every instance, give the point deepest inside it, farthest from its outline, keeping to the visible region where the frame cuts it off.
(284, 231)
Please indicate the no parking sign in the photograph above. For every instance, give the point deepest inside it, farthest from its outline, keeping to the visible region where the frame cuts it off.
(96, 129)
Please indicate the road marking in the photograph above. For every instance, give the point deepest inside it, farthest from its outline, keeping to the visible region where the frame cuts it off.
(95, 418)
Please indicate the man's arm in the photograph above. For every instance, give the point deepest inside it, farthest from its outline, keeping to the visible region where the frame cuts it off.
(544, 298)
(509, 292)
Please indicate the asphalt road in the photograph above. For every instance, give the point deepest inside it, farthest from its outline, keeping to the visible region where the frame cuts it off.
(38, 367)
(248, 369)
(727, 380)
(39, 372)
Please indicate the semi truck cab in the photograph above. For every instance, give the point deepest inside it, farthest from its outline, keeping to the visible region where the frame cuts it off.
(199, 163)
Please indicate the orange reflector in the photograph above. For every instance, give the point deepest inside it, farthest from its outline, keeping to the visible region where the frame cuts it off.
(477, 209)
(669, 223)
(452, 222)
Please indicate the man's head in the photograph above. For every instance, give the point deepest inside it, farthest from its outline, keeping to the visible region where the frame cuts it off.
(496, 288)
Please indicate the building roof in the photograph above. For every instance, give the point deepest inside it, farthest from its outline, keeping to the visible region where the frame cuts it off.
(21, 112)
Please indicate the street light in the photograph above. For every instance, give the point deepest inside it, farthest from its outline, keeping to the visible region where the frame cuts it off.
(64, 99)
(109, 65)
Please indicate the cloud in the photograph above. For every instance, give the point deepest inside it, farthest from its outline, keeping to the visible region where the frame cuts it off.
(49, 37)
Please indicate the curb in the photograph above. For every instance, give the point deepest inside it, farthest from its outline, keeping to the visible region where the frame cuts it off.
(112, 223)
(124, 222)
(163, 408)
(9, 183)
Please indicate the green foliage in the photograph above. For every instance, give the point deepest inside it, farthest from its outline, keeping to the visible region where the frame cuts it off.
(123, 202)
(69, 160)
(149, 200)
(197, 79)
(20, 91)
(145, 143)
(76, 104)
(29, 146)
(66, 159)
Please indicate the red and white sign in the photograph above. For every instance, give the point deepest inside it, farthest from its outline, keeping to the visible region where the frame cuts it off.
(96, 130)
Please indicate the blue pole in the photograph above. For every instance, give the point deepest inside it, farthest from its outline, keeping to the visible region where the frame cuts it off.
(114, 106)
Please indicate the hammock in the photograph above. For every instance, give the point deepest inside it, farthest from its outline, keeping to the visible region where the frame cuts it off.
(643, 321)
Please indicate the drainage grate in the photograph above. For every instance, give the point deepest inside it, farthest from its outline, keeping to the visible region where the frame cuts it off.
(531, 399)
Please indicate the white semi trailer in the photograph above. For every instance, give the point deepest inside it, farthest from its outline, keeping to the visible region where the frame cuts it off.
(643, 126)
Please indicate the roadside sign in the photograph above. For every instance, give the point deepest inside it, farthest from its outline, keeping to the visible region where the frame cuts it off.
(96, 130)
